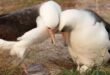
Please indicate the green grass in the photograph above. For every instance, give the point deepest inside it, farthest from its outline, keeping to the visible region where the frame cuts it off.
(69, 72)
(98, 71)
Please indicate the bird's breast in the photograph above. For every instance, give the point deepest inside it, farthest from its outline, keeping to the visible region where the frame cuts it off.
(90, 39)
(88, 43)
(90, 35)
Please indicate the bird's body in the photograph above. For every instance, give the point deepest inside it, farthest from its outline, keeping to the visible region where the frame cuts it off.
(88, 38)
(32, 37)
(49, 16)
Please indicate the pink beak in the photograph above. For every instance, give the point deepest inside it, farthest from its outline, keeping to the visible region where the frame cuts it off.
(64, 34)
(52, 35)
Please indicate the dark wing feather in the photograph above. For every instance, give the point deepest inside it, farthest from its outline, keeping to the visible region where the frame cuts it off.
(15, 24)
(100, 19)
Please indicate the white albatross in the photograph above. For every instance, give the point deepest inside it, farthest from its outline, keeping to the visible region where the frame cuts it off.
(48, 19)
(88, 39)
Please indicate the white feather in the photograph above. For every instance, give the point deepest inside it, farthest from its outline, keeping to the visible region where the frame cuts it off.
(50, 13)
(89, 40)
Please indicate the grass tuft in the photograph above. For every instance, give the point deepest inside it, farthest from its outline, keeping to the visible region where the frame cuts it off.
(92, 72)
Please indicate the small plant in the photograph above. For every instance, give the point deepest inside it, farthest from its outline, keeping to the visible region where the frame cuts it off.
(69, 72)
(92, 72)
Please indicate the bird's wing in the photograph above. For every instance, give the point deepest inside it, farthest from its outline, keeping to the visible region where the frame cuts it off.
(100, 19)
(16, 23)
(32, 37)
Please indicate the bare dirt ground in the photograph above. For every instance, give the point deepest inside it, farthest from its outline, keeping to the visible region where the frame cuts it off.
(55, 58)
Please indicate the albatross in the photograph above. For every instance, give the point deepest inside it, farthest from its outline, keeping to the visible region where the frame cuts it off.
(88, 37)
(47, 21)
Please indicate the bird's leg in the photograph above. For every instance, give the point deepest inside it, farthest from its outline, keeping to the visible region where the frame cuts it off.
(78, 67)
(52, 35)
(24, 68)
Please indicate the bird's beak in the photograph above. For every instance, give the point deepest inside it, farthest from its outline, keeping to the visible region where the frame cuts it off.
(52, 35)
(65, 36)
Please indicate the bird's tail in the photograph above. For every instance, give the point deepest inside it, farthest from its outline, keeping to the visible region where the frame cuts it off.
(16, 47)
(6, 45)
(19, 48)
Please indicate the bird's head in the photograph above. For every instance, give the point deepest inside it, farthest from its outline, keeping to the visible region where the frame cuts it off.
(52, 32)
(49, 17)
